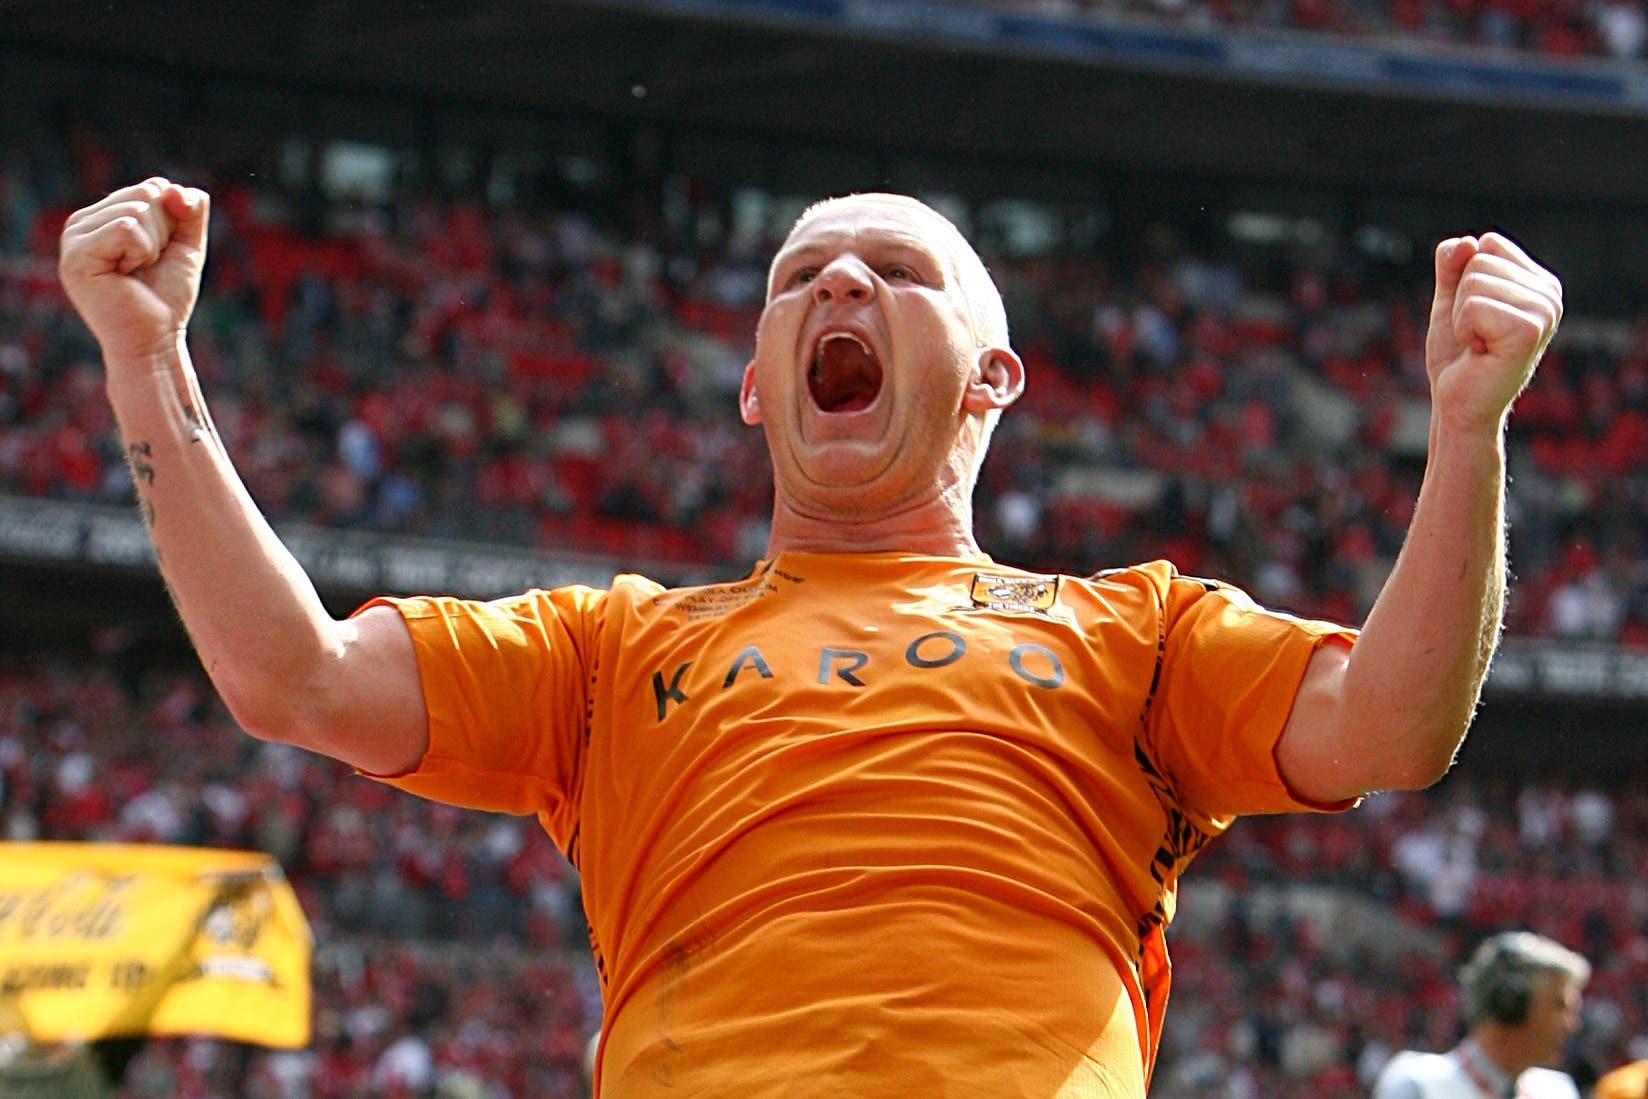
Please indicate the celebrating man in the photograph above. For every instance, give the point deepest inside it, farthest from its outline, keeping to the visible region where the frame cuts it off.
(885, 816)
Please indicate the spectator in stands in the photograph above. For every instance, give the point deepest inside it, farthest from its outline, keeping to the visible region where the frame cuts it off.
(1521, 996)
(58, 1070)
(971, 763)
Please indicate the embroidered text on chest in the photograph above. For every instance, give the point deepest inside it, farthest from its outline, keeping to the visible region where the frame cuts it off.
(848, 668)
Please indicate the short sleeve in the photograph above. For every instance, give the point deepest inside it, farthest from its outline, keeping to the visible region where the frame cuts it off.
(1230, 671)
(506, 687)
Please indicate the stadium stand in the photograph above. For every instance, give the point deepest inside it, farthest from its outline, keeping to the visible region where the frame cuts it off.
(579, 386)
(1610, 29)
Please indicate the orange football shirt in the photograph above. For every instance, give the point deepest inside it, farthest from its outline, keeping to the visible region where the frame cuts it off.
(870, 824)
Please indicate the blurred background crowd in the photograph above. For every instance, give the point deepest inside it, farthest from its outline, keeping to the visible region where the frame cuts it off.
(480, 342)
(438, 365)
(1563, 28)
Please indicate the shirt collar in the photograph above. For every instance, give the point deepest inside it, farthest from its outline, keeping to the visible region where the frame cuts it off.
(1483, 1072)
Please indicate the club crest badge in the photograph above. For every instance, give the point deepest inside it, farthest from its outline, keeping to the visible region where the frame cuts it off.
(1015, 594)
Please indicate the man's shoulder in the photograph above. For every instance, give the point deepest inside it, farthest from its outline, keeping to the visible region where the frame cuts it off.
(1546, 1083)
(1411, 1064)
(1157, 572)
(1411, 1074)
(1162, 581)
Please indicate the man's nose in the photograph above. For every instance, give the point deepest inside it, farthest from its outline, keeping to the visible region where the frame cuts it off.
(843, 279)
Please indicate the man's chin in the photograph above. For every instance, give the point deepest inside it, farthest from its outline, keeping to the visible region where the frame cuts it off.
(844, 462)
(841, 492)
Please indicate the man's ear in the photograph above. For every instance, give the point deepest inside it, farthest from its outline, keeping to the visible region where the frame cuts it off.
(749, 405)
(997, 382)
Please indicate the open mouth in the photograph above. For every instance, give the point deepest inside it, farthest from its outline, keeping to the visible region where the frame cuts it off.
(845, 376)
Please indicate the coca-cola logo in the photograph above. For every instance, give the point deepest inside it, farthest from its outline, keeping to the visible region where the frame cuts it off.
(79, 905)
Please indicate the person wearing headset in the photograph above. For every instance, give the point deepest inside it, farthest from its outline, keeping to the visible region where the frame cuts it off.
(1520, 994)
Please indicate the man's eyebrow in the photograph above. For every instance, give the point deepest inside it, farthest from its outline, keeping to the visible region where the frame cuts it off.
(904, 241)
(789, 252)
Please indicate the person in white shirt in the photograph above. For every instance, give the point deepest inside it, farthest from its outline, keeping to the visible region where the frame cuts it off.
(1521, 995)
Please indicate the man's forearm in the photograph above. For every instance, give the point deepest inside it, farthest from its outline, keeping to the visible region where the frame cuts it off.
(253, 615)
(1416, 673)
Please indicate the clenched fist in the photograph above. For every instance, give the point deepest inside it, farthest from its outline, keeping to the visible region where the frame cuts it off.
(131, 264)
(1494, 312)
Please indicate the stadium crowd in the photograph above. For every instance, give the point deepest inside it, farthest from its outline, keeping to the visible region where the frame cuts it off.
(452, 367)
(1554, 28)
(444, 961)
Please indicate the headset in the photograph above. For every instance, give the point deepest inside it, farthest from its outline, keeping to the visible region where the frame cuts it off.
(1498, 980)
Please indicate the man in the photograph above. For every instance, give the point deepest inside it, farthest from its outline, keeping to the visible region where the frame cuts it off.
(1521, 995)
(884, 816)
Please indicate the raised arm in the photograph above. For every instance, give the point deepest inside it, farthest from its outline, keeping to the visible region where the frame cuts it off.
(131, 264)
(1393, 711)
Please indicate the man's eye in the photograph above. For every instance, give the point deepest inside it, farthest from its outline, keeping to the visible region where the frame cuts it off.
(804, 276)
(899, 271)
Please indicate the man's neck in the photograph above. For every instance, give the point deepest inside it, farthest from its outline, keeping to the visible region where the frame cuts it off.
(1502, 1050)
(933, 530)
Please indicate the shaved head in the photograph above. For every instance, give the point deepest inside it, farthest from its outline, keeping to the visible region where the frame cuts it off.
(987, 315)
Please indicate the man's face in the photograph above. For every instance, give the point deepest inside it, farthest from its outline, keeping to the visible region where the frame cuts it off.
(866, 363)
(1553, 1016)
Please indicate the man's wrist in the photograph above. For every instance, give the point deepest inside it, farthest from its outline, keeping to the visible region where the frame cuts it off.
(163, 352)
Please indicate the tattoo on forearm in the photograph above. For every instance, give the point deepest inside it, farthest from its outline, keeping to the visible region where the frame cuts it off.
(138, 456)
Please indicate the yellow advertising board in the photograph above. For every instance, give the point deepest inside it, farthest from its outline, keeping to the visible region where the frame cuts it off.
(101, 940)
